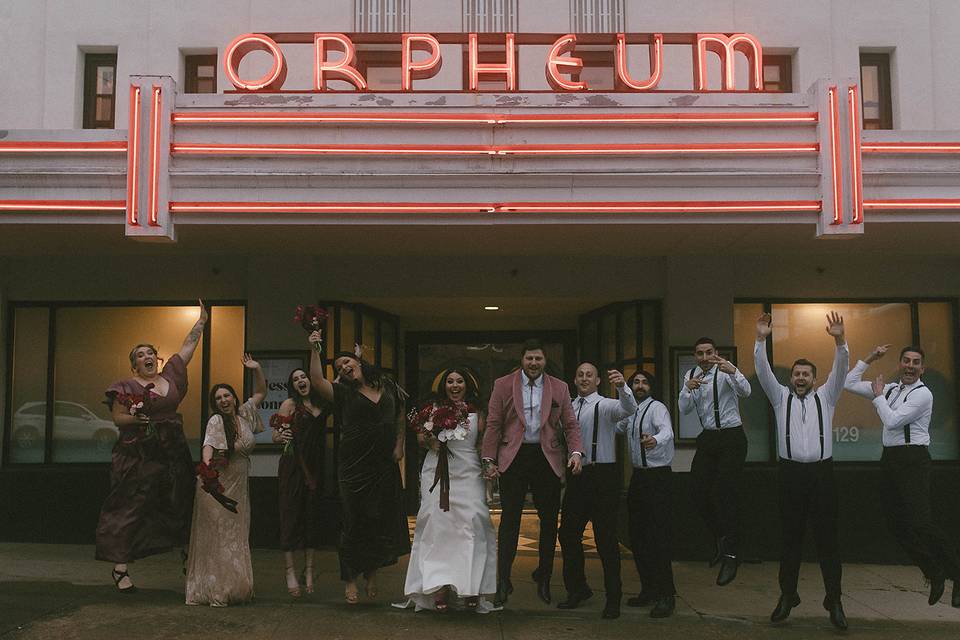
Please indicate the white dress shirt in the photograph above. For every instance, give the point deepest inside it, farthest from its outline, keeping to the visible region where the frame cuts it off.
(811, 425)
(532, 396)
(651, 418)
(609, 412)
(729, 388)
(903, 408)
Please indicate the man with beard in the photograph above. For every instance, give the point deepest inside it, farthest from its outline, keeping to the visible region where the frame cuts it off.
(905, 408)
(650, 437)
(594, 495)
(804, 419)
(713, 390)
(528, 413)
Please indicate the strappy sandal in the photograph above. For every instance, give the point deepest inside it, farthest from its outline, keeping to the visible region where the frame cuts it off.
(307, 577)
(294, 590)
(371, 586)
(118, 576)
(440, 602)
(352, 596)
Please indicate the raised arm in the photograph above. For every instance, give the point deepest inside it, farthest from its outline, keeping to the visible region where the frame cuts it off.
(841, 359)
(317, 374)
(259, 382)
(768, 382)
(193, 338)
(626, 403)
(854, 382)
(915, 405)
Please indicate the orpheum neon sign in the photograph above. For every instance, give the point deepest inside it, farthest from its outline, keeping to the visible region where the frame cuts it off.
(336, 57)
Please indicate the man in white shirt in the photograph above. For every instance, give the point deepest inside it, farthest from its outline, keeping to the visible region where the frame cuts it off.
(905, 408)
(713, 390)
(594, 495)
(804, 419)
(649, 434)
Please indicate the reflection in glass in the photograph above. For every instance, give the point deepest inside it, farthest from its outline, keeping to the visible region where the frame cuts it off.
(29, 393)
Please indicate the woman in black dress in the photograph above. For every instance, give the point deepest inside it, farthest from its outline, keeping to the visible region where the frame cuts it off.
(148, 508)
(299, 426)
(370, 409)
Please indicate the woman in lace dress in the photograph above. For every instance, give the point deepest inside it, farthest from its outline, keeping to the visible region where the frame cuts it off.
(454, 551)
(219, 572)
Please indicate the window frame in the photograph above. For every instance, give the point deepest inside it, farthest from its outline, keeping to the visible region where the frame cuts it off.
(92, 62)
(785, 63)
(884, 88)
(50, 399)
(191, 63)
(914, 303)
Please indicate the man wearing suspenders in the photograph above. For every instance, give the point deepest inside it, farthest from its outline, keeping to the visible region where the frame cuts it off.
(905, 408)
(804, 418)
(713, 390)
(594, 495)
(650, 437)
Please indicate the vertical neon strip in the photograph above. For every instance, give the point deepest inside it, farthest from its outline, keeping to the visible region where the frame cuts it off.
(835, 156)
(154, 166)
(133, 157)
(853, 103)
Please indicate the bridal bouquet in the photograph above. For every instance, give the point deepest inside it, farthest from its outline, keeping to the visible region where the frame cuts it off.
(446, 422)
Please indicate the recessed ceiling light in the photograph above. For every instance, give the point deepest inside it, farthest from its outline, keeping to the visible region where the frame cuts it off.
(491, 308)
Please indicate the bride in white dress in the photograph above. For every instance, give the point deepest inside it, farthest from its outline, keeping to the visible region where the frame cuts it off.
(454, 553)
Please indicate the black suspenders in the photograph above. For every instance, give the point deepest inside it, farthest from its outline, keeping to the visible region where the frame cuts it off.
(596, 430)
(643, 451)
(819, 421)
(716, 400)
(906, 427)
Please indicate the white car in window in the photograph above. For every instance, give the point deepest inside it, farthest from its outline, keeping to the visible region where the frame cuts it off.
(72, 422)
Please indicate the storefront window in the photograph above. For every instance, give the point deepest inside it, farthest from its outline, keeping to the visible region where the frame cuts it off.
(91, 347)
(798, 332)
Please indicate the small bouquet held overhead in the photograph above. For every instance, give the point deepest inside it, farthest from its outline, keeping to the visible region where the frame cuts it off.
(446, 422)
(312, 317)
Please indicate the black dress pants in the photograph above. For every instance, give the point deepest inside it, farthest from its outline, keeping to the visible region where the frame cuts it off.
(650, 507)
(808, 491)
(529, 470)
(906, 496)
(592, 496)
(717, 470)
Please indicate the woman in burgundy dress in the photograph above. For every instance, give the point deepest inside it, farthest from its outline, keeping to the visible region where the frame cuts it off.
(299, 426)
(148, 508)
(370, 409)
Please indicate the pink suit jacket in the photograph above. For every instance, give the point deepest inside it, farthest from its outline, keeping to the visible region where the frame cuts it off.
(505, 427)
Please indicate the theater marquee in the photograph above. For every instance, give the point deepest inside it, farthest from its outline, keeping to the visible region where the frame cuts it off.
(335, 58)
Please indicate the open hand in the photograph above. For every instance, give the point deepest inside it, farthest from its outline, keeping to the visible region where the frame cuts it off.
(835, 326)
(249, 362)
(877, 386)
(764, 328)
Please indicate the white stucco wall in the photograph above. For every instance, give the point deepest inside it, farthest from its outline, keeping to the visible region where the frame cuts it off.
(42, 42)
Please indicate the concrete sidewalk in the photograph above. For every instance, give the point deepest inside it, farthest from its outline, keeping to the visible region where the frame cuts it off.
(59, 591)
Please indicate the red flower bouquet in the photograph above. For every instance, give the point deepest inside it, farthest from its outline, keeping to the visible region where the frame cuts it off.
(445, 421)
(312, 318)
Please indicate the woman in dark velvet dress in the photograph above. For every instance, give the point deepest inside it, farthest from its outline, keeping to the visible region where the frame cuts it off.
(371, 416)
(299, 426)
(148, 508)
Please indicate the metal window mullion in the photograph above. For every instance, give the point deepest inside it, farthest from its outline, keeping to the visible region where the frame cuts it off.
(51, 382)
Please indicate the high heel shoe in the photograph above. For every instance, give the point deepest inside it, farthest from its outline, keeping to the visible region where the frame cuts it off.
(351, 593)
(307, 577)
(293, 587)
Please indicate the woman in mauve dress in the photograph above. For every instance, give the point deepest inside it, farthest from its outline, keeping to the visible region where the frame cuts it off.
(220, 571)
(299, 425)
(370, 408)
(147, 510)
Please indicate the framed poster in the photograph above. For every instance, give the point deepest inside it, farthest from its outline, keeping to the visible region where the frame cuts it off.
(277, 366)
(682, 360)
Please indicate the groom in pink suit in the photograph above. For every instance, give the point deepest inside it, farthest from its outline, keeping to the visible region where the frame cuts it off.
(529, 417)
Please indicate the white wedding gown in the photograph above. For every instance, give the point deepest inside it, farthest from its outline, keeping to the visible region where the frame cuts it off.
(456, 547)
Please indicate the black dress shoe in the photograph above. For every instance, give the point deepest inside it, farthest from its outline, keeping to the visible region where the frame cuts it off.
(837, 617)
(543, 586)
(575, 599)
(728, 570)
(784, 605)
(937, 586)
(641, 600)
(955, 596)
(612, 609)
(664, 607)
(504, 589)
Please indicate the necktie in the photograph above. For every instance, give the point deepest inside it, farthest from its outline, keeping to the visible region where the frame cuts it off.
(897, 396)
(533, 385)
(580, 407)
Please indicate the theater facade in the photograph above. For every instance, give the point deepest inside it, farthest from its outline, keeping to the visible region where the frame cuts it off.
(451, 178)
